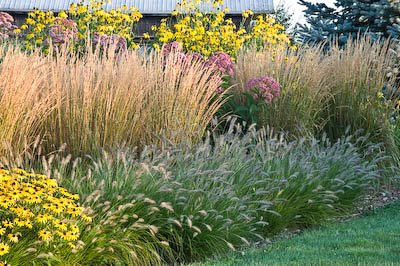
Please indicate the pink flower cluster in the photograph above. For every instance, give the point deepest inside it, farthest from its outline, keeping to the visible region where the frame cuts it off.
(105, 41)
(222, 62)
(173, 47)
(180, 55)
(63, 31)
(196, 57)
(265, 88)
(6, 25)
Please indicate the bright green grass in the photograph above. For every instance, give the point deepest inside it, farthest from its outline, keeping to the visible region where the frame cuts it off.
(371, 240)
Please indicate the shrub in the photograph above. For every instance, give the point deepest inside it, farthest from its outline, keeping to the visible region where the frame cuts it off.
(201, 26)
(250, 103)
(80, 23)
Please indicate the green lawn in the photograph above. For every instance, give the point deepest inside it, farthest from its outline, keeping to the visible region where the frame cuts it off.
(373, 239)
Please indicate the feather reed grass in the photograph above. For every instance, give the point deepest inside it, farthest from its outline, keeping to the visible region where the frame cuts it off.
(325, 91)
(100, 100)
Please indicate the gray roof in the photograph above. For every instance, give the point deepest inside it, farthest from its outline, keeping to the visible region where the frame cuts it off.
(144, 6)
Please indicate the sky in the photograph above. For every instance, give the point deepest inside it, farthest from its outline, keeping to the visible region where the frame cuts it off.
(297, 9)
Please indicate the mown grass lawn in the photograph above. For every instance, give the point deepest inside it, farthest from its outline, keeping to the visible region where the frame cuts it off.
(373, 239)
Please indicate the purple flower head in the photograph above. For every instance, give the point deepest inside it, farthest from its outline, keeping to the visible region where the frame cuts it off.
(6, 25)
(196, 57)
(170, 48)
(63, 31)
(222, 62)
(265, 88)
(105, 41)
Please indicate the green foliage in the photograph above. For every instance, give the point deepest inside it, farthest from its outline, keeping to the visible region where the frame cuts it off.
(350, 19)
(303, 87)
(183, 204)
(325, 92)
(246, 109)
(356, 78)
(369, 240)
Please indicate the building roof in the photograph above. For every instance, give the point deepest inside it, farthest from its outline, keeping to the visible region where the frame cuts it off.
(156, 7)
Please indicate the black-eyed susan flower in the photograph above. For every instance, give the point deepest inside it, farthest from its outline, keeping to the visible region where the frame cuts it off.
(71, 245)
(4, 248)
(60, 225)
(13, 238)
(7, 224)
(43, 218)
(45, 235)
(70, 236)
(31, 202)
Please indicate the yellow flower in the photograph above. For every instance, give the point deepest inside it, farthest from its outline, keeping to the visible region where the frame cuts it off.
(27, 201)
(13, 238)
(71, 245)
(30, 21)
(247, 13)
(156, 47)
(210, 32)
(45, 235)
(75, 211)
(62, 14)
(60, 225)
(69, 236)
(86, 218)
(4, 248)
(7, 224)
(30, 36)
(43, 218)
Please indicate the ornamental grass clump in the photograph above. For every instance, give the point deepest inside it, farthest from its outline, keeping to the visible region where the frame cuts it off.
(357, 78)
(103, 99)
(186, 203)
(101, 241)
(37, 217)
(324, 91)
(304, 86)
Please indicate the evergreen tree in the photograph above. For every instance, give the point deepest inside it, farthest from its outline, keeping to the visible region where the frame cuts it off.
(349, 18)
(283, 16)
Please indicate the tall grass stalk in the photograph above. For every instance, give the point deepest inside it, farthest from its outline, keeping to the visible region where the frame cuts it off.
(102, 100)
(357, 76)
(325, 91)
(304, 87)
